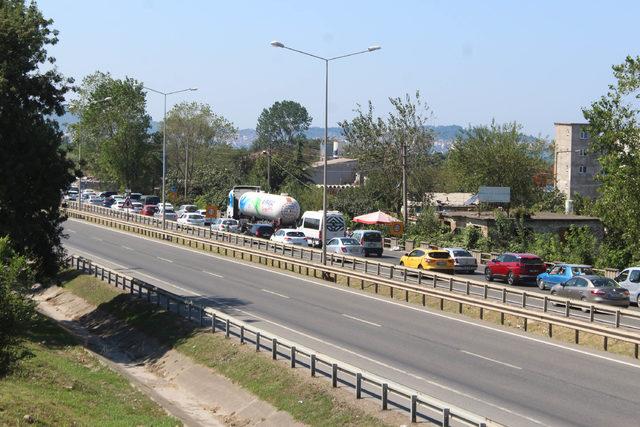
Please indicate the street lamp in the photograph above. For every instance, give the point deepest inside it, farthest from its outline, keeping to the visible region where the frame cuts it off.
(164, 143)
(95, 101)
(276, 43)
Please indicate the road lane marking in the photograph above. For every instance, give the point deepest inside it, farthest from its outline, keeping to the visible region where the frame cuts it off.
(363, 295)
(213, 274)
(361, 320)
(164, 259)
(490, 359)
(70, 230)
(275, 293)
(97, 238)
(126, 247)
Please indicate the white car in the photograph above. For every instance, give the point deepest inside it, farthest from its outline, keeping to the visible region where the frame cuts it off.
(117, 206)
(345, 246)
(191, 218)
(225, 224)
(137, 207)
(289, 236)
(463, 261)
(169, 213)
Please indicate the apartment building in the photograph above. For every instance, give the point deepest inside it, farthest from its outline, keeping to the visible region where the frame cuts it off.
(575, 167)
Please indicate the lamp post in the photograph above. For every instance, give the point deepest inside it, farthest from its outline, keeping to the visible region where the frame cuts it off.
(96, 101)
(326, 128)
(164, 144)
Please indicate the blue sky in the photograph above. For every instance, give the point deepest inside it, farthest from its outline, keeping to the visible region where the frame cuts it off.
(533, 62)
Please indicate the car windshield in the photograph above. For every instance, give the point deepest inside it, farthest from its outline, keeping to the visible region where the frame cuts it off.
(196, 216)
(295, 234)
(229, 222)
(530, 261)
(582, 270)
(265, 229)
(603, 282)
(350, 242)
(439, 255)
(461, 253)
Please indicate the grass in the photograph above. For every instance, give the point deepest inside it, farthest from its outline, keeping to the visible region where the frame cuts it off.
(59, 383)
(271, 381)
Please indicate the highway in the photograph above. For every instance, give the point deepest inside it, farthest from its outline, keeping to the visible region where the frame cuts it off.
(510, 377)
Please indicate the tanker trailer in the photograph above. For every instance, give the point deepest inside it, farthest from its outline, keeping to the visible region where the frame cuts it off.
(279, 209)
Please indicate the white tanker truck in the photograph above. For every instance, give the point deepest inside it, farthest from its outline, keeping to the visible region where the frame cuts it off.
(251, 203)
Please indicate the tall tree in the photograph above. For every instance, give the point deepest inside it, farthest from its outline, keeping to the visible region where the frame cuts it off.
(378, 144)
(499, 156)
(114, 134)
(615, 133)
(193, 130)
(34, 170)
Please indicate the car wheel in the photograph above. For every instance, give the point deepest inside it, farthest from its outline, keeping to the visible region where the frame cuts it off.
(541, 284)
(511, 279)
(554, 294)
(488, 275)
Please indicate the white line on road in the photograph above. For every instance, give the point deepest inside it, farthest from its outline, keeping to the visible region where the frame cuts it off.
(275, 293)
(361, 320)
(126, 247)
(70, 230)
(213, 274)
(490, 359)
(97, 238)
(164, 259)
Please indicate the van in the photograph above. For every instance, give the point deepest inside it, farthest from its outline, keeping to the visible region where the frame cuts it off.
(150, 200)
(311, 225)
(371, 240)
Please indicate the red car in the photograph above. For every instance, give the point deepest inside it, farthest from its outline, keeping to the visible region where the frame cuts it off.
(515, 268)
(149, 210)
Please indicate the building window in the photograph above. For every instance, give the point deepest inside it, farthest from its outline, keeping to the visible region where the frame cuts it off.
(582, 169)
(584, 134)
(582, 151)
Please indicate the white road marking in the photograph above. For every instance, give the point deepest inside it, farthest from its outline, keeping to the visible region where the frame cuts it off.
(70, 230)
(360, 320)
(97, 238)
(327, 343)
(373, 297)
(490, 359)
(126, 247)
(275, 293)
(213, 274)
(164, 259)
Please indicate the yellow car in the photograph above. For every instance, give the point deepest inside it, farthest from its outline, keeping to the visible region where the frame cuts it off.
(429, 259)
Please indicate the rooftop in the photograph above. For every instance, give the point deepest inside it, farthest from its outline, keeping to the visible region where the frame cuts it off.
(338, 161)
(571, 123)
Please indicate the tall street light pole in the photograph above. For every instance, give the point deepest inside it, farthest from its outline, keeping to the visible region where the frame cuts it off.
(326, 129)
(97, 101)
(164, 145)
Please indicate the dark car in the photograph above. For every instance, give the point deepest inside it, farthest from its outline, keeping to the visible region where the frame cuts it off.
(149, 200)
(108, 202)
(106, 194)
(515, 268)
(596, 289)
(263, 231)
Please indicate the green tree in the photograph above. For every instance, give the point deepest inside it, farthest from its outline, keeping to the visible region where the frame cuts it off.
(115, 134)
(499, 156)
(615, 133)
(16, 310)
(282, 127)
(193, 130)
(34, 168)
(377, 145)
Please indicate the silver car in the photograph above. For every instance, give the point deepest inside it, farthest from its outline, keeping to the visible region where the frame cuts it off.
(630, 279)
(463, 261)
(345, 246)
(595, 289)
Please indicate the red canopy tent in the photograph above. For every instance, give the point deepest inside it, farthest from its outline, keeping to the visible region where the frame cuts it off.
(376, 218)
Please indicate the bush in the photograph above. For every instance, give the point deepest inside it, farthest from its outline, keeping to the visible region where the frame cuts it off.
(16, 311)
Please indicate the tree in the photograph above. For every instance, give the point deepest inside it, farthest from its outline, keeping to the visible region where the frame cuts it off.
(34, 169)
(16, 310)
(615, 133)
(114, 134)
(193, 130)
(377, 145)
(498, 156)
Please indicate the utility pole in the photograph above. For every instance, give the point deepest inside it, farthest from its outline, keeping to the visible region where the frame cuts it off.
(269, 168)
(405, 214)
(186, 166)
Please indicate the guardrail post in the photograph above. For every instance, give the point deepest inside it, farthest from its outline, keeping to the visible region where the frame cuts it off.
(274, 348)
(414, 408)
(419, 277)
(293, 356)
(524, 300)
(445, 417)
(567, 307)
(241, 334)
(618, 319)
(450, 284)
(227, 329)
(334, 375)
(213, 323)
(504, 295)
(545, 304)
(391, 272)
(385, 396)
(257, 341)
(467, 287)
(358, 385)
(378, 272)
(366, 265)
(312, 365)
(592, 312)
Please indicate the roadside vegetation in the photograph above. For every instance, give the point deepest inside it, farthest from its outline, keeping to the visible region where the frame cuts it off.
(312, 402)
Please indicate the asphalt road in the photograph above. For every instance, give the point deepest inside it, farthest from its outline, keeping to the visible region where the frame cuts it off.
(513, 378)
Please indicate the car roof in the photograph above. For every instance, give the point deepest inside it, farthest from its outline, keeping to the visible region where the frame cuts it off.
(435, 250)
(592, 277)
(574, 265)
(522, 254)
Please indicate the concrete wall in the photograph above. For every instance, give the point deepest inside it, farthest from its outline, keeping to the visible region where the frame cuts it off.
(339, 172)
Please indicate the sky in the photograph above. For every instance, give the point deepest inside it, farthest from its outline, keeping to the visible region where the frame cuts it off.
(533, 62)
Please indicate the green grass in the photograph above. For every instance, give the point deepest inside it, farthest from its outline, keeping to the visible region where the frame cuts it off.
(271, 381)
(59, 383)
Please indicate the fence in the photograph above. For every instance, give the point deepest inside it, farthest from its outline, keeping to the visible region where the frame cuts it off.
(399, 279)
(364, 383)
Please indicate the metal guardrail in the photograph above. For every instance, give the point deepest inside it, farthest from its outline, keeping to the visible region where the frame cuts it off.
(389, 393)
(398, 278)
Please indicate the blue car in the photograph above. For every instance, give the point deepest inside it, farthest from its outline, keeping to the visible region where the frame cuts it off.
(560, 273)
